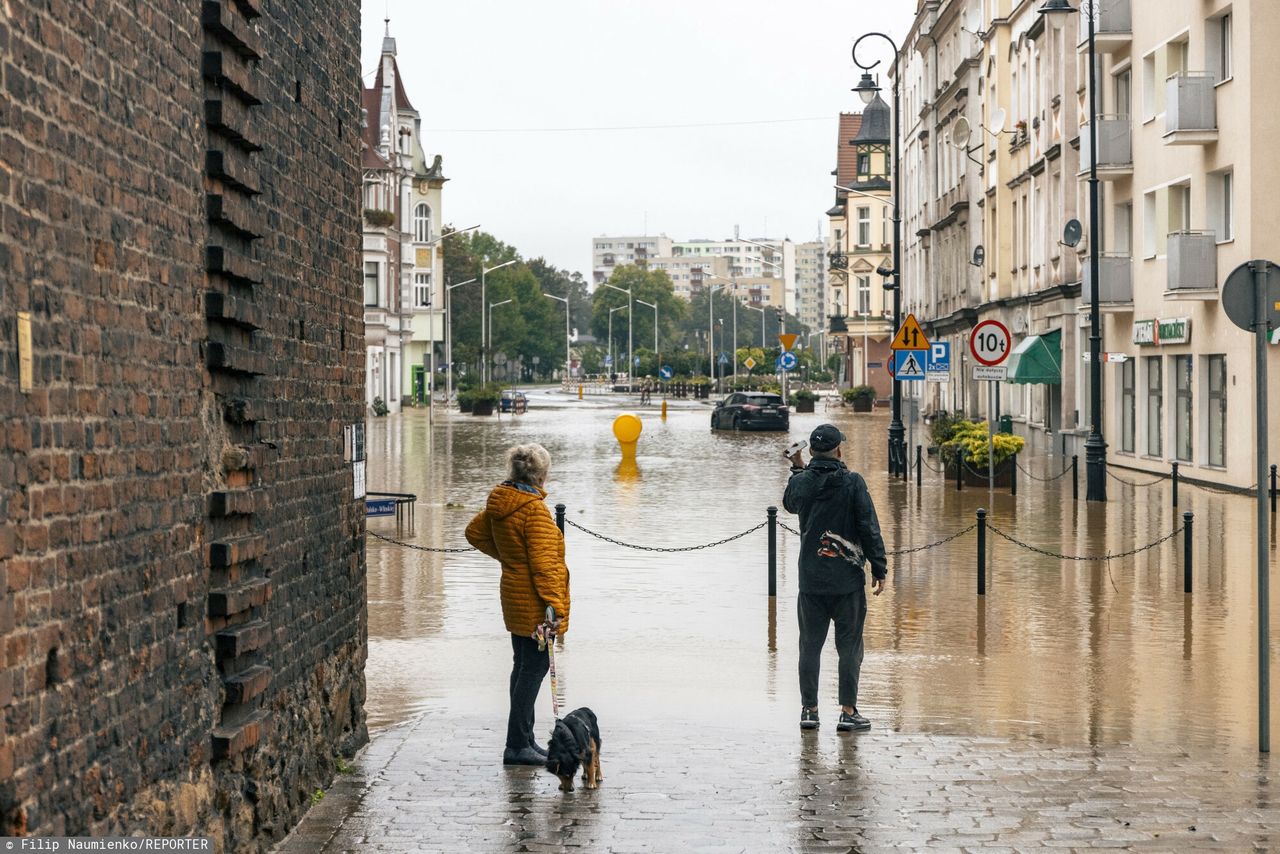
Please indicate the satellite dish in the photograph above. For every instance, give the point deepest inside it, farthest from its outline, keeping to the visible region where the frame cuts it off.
(979, 255)
(961, 133)
(998, 119)
(1071, 233)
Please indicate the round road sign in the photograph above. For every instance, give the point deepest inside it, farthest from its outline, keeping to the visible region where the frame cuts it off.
(989, 342)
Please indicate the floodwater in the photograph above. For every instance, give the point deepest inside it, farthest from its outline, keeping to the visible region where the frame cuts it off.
(1100, 653)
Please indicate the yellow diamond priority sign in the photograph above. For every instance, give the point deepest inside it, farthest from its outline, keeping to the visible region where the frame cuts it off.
(787, 340)
(749, 362)
(910, 336)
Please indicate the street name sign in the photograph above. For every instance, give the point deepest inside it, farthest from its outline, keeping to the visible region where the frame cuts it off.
(909, 364)
(937, 368)
(787, 340)
(989, 343)
(909, 336)
(379, 507)
(991, 373)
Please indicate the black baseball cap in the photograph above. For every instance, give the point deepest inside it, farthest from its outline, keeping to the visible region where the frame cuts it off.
(825, 437)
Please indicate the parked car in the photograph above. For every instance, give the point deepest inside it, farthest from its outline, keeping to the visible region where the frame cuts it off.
(751, 410)
(514, 401)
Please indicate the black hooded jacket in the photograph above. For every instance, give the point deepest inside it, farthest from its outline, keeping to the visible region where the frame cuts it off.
(829, 497)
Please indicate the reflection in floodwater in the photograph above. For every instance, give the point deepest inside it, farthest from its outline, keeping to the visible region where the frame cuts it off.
(1070, 652)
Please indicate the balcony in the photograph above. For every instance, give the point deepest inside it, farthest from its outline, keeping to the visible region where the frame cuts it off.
(1191, 109)
(1115, 272)
(1112, 31)
(1193, 265)
(1115, 147)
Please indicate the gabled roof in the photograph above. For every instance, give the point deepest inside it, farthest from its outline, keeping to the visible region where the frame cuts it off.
(371, 100)
(846, 154)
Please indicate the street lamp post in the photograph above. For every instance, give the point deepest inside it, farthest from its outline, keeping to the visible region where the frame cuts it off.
(630, 341)
(448, 337)
(431, 372)
(867, 89)
(657, 357)
(762, 313)
(612, 363)
(492, 306)
(1095, 447)
(711, 335)
(484, 342)
(732, 283)
(567, 357)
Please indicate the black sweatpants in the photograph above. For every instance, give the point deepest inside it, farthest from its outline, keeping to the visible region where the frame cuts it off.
(816, 612)
(528, 667)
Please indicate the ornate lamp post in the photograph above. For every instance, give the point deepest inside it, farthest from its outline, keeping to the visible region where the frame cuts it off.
(867, 90)
(1095, 447)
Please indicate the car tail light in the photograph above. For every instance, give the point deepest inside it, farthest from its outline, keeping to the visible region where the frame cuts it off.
(750, 407)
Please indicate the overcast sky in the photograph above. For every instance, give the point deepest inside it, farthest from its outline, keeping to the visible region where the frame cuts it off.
(489, 76)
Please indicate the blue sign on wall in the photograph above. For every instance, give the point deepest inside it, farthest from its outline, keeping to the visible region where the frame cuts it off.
(379, 507)
(938, 363)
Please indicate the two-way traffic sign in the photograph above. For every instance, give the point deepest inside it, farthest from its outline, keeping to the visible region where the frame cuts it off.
(909, 336)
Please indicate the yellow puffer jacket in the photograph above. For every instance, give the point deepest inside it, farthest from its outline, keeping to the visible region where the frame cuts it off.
(515, 528)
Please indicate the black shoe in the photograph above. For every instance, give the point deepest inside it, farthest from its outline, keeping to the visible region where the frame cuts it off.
(852, 722)
(539, 749)
(523, 756)
(808, 718)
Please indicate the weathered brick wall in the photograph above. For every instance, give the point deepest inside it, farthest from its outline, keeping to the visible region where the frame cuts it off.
(182, 630)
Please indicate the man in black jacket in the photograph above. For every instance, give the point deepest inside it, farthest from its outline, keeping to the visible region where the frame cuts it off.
(839, 533)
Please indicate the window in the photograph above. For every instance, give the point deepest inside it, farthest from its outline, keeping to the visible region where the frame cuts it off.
(1155, 406)
(864, 164)
(884, 226)
(1122, 240)
(421, 290)
(422, 222)
(1217, 47)
(1124, 93)
(1165, 211)
(1216, 371)
(371, 290)
(1221, 201)
(1128, 393)
(1182, 407)
(864, 295)
(864, 226)
(1180, 207)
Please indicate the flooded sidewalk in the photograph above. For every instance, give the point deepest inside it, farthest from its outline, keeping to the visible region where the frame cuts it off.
(1076, 705)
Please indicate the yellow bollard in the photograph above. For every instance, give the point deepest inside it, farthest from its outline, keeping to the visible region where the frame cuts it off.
(626, 429)
(664, 409)
(579, 391)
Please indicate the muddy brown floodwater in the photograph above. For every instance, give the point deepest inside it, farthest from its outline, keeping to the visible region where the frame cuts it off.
(1099, 653)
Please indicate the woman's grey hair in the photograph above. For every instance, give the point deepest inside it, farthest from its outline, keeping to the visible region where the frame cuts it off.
(528, 464)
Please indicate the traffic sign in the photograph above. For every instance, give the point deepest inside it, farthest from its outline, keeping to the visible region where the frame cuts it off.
(910, 336)
(937, 367)
(749, 362)
(1239, 295)
(724, 359)
(991, 373)
(608, 360)
(989, 342)
(787, 361)
(909, 364)
(636, 360)
(665, 372)
(787, 340)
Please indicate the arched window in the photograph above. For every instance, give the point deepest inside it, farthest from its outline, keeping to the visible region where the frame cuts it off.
(422, 222)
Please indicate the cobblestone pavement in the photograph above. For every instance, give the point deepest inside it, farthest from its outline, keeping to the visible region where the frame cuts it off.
(437, 784)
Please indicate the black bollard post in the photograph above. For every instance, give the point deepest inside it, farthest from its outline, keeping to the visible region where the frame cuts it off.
(1075, 477)
(560, 517)
(920, 452)
(1175, 484)
(982, 552)
(1187, 518)
(959, 469)
(773, 551)
(1013, 475)
(1273, 488)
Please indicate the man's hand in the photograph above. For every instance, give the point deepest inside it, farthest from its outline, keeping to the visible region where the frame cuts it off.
(877, 586)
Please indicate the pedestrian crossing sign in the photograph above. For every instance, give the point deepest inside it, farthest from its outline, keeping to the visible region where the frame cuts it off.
(909, 364)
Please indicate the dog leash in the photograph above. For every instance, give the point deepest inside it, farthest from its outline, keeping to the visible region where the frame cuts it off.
(546, 636)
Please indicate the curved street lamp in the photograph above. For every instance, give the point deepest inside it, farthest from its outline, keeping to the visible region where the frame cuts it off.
(567, 357)
(867, 90)
(492, 306)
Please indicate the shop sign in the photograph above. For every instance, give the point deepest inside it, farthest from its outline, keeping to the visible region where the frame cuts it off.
(1171, 330)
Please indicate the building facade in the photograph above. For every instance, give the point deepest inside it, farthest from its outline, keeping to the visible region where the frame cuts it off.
(424, 352)
(610, 252)
(811, 270)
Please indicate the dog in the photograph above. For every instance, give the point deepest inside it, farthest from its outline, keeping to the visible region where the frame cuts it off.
(575, 742)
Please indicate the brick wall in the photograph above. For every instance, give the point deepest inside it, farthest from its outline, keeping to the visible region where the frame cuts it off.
(182, 629)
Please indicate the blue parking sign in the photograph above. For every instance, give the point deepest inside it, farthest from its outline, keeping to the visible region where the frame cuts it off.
(937, 366)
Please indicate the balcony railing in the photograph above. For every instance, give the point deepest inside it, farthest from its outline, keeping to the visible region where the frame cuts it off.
(1115, 272)
(1115, 147)
(1113, 28)
(1193, 261)
(1191, 109)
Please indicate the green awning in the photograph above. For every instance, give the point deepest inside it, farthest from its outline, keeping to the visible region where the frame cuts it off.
(1037, 360)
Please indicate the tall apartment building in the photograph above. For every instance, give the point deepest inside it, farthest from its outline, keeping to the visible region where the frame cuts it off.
(689, 273)
(756, 264)
(811, 267)
(609, 252)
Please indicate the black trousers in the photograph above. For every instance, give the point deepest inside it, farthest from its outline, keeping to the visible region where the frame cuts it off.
(816, 613)
(528, 668)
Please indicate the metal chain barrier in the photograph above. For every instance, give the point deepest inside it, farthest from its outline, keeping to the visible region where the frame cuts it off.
(939, 470)
(999, 470)
(1112, 474)
(416, 547)
(665, 548)
(1060, 556)
(1066, 471)
(1220, 490)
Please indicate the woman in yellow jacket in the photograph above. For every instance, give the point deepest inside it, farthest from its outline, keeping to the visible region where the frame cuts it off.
(516, 529)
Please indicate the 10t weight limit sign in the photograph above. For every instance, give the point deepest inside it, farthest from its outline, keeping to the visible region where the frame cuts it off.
(989, 342)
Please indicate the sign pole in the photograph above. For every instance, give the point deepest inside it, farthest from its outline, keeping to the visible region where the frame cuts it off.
(1260, 321)
(991, 438)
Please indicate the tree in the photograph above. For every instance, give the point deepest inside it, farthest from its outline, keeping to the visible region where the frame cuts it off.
(652, 286)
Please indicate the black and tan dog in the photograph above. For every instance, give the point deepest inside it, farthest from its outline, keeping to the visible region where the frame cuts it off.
(575, 742)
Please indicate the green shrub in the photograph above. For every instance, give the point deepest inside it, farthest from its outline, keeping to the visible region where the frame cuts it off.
(971, 438)
(804, 394)
(858, 392)
(379, 218)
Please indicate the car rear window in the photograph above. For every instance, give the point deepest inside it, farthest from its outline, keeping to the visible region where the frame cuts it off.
(764, 399)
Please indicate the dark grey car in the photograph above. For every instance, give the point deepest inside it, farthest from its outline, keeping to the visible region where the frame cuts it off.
(751, 410)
